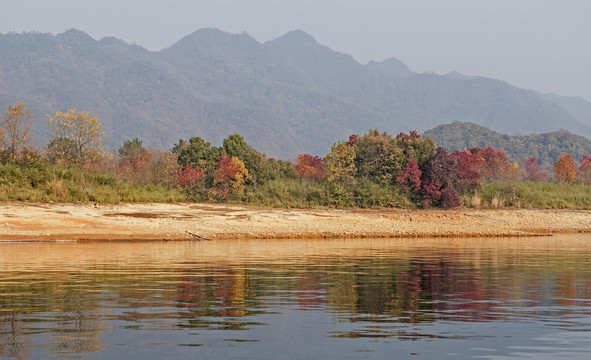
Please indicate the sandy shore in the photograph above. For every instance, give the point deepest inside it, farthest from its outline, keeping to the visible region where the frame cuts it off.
(41, 221)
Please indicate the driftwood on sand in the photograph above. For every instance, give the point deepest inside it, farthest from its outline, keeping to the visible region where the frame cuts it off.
(200, 238)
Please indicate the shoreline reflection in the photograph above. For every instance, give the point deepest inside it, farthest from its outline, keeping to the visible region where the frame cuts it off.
(66, 299)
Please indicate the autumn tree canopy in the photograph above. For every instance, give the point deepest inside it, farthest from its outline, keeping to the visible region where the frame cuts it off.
(492, 164)
(565, 169)
(255, 162)
(377, 156)
(373, 169)
(414, 146)
(135, 162)
(310, 167)
(533, 171)
(15, 125)
(76, 135)
(340, 163)
(198, 153)
(131, 149)
(230, 177)
(584, 174)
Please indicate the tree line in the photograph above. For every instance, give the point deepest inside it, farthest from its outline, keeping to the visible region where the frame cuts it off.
(371, 170)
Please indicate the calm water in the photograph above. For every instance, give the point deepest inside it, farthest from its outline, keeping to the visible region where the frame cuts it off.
(282, 299)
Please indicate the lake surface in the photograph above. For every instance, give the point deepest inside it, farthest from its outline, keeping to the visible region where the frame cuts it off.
(515, 298)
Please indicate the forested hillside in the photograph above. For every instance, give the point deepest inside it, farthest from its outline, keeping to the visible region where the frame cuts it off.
(287, 96)
(546, 148)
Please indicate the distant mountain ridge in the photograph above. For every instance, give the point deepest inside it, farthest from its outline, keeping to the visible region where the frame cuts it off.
(286, 96)
(576, 106)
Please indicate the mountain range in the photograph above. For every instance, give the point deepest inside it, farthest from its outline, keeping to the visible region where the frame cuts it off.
(286, 96)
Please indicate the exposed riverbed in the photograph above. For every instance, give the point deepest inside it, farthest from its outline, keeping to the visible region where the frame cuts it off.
(43, 221)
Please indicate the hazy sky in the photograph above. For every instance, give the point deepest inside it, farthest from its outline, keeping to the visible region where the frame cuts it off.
(538, 44)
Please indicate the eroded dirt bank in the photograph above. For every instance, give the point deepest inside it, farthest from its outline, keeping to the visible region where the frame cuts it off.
(41, 221)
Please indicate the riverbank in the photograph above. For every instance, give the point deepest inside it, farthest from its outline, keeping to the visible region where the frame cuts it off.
(88, 222)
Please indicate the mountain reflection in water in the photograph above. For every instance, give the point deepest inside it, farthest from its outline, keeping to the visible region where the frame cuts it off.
(367, 298)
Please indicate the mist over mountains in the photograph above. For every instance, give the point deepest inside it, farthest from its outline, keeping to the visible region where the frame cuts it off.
(287, 96)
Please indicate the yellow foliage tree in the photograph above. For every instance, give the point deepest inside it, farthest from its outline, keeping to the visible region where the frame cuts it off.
(78, 137)
(340, 163)
(512, 172)
(15, 125)
(241, 177)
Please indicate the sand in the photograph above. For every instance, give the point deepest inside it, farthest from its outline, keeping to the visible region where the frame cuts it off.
(93, 222)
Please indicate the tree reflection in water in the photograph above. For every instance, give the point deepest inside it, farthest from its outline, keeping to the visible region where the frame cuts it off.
(70, 295)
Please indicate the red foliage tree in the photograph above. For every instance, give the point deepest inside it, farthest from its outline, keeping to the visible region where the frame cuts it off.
(409, 178)
(431, 191)
(449, 198)
(467, 171)
(533, 171)
(136, 167)
(225, 171)
(412, 136)
(310, 167)
(189, 178)
(491, 164)
(446, 177)
(436, 176)
(353, 140)
(584, 174)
